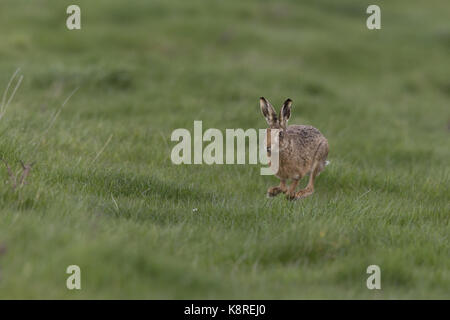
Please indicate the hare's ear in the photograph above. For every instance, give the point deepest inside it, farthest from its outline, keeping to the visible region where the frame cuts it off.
(285, 113)
(268, 111)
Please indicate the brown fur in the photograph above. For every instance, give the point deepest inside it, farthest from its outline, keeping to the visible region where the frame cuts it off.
(302, 150)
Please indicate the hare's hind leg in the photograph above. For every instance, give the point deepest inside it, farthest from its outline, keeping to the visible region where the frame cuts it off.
(274, 191)
(318, 166)
(309, 190)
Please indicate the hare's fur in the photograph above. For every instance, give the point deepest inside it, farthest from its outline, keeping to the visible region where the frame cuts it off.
(302, 150)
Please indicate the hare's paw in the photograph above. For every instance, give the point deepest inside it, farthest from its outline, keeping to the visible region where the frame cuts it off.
(274, 191)
(291, 196)
(303, 193)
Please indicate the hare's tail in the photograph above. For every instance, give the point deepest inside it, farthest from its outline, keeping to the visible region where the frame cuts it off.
(327, 163)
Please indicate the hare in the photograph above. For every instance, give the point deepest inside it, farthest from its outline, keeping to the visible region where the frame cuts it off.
(302, 150)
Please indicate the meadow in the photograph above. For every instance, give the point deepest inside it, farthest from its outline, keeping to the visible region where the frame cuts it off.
(97, 106)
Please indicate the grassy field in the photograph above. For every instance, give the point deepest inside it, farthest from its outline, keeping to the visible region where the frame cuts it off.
(103, 193)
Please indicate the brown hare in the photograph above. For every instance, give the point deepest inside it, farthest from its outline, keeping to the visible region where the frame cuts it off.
(302, 150)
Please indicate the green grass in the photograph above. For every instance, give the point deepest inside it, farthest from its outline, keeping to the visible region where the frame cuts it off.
(145, 68)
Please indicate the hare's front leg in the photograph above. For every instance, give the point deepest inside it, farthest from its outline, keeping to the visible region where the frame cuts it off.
(274, 191)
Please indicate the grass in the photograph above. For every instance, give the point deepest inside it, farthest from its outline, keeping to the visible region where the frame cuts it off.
(125, 215)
